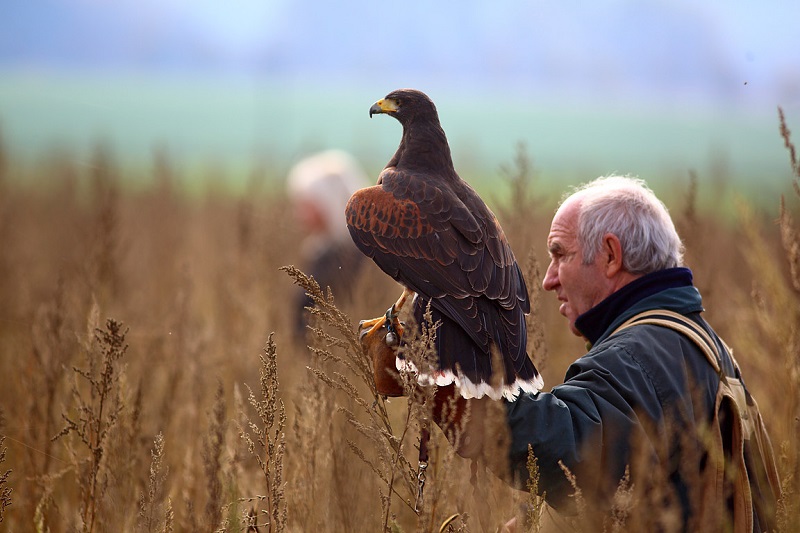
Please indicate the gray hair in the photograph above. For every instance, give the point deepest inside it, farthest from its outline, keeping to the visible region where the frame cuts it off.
(626, 207)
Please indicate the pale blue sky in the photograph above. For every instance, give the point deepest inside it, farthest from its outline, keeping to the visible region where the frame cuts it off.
(258, 36)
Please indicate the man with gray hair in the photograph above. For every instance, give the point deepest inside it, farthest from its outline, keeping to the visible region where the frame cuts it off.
(642, 398)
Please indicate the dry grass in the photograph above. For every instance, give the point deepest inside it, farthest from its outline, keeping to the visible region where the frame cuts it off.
(154, 433)
(5, 490)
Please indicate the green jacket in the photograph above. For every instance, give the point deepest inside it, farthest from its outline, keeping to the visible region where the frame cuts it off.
(640, 389)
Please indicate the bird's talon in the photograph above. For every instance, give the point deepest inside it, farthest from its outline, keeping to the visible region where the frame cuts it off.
(366, 327)
(388, 327)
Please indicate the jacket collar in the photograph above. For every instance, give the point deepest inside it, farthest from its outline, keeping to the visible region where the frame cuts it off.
(671, 289)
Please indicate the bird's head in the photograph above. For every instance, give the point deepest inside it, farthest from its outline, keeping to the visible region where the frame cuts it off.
(405, 105)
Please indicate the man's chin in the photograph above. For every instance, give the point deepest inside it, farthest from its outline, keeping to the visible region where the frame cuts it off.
(572, 327)
(564, 311)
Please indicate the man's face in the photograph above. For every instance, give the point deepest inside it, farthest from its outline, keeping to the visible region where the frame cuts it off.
(579, 287)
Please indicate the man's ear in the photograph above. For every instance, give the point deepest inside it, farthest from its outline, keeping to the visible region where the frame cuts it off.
(612, 255)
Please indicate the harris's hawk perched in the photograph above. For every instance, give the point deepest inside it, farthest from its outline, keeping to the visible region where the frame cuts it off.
(429, 230)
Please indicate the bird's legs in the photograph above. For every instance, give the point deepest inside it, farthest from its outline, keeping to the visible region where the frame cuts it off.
(389, 320)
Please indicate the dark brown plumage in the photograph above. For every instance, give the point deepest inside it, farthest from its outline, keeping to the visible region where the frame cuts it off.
(429, 230)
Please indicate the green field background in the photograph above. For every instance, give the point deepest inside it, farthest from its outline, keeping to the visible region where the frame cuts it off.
(221, 131)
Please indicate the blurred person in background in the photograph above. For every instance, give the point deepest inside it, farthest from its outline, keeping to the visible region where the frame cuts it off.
(319, 187)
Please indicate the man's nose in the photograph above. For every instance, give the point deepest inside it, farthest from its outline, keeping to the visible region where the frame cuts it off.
(550, 280)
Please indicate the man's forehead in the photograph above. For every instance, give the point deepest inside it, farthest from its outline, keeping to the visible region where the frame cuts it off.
(565, 222)
(570, 206)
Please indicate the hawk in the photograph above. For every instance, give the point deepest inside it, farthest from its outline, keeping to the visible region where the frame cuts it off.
(430, 231)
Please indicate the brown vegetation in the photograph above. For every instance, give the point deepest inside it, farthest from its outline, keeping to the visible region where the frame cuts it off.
(194, 409)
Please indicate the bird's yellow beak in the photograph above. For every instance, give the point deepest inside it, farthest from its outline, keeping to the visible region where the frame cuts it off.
(385, 105)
